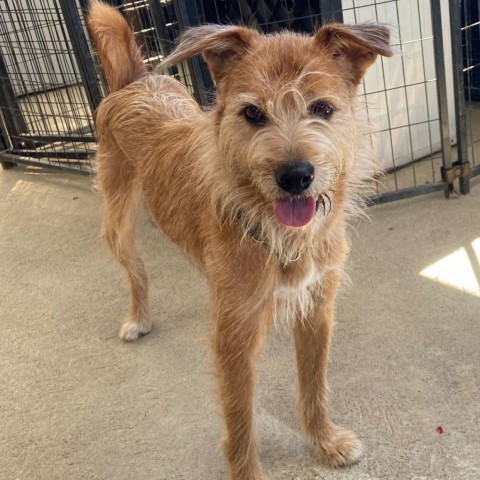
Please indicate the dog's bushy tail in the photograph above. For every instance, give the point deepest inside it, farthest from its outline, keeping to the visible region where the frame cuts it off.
(120, 56)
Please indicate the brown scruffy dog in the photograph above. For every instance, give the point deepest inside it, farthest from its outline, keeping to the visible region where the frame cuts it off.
(256, 191)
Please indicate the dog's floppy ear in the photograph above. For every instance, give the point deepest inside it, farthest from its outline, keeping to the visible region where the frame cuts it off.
(355, 46)
(220, 45)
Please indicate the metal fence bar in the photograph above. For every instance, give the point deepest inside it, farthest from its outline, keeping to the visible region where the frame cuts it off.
(82, 52)
(470, 34)
(459, 89)
(404, 193)
(160, 25)
(6, 164)
(59, 138)
(62, 155)
(476, 66)
(439, 50)
(12, 159)
(188, 16)
(12, 118)
(425, 89)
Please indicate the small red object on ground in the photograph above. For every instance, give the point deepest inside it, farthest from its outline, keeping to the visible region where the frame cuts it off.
(440, 430)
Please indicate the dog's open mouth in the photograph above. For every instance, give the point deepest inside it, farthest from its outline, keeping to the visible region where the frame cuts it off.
(295, 212)
(299, 211)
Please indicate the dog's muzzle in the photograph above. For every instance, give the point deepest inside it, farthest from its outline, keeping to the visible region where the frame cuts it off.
(295, 178)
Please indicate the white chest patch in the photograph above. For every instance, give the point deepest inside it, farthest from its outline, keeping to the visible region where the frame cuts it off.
(295, 302)
(284, 290)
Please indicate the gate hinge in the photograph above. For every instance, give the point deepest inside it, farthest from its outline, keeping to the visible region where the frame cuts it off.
(458, 170)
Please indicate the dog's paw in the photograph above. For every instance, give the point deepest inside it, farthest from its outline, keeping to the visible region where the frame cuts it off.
(340, 448)
(131, 331)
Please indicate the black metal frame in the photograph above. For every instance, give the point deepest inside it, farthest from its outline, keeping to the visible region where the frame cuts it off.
(465, 16)
(459, 92)
(82, 52)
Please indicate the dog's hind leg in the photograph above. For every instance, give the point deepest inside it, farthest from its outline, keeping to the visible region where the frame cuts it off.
(121, 204)
(336, 446)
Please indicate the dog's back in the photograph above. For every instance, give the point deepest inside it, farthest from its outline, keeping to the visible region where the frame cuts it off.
(143, 127)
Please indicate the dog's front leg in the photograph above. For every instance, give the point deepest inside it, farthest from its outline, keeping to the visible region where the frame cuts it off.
(335, 445)
(239, 333)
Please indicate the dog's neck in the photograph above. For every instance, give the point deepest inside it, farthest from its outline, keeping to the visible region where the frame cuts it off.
(254, 233)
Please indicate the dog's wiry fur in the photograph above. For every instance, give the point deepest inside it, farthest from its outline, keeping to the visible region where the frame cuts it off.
(208, 179)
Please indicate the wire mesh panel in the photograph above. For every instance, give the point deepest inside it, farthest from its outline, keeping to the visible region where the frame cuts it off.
(50, 85)
(46, 116)
(156, 27)
(401, 97)
(399, 93)
(49, 82)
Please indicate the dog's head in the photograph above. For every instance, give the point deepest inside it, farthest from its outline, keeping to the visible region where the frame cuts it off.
(285, 120)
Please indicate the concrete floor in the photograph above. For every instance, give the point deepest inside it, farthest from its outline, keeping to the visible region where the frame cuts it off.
(76, 403)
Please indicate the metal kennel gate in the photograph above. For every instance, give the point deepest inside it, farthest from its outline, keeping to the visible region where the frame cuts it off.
(50, 83)
(49, 86)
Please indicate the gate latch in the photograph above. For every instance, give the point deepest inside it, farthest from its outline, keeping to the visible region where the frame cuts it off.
(458, 170)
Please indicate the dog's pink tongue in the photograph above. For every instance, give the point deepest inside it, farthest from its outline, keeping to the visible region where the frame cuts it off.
(295, 212)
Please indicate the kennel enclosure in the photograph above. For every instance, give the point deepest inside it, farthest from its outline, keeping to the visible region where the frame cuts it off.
(423, 101)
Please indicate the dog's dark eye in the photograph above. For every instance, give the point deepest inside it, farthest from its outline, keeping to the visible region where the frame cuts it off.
(254, 115)
(321, 109)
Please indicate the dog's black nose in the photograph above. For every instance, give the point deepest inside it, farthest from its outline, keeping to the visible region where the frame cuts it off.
(294, 177)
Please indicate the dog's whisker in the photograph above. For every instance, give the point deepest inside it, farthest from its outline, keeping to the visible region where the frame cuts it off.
(329, 202)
